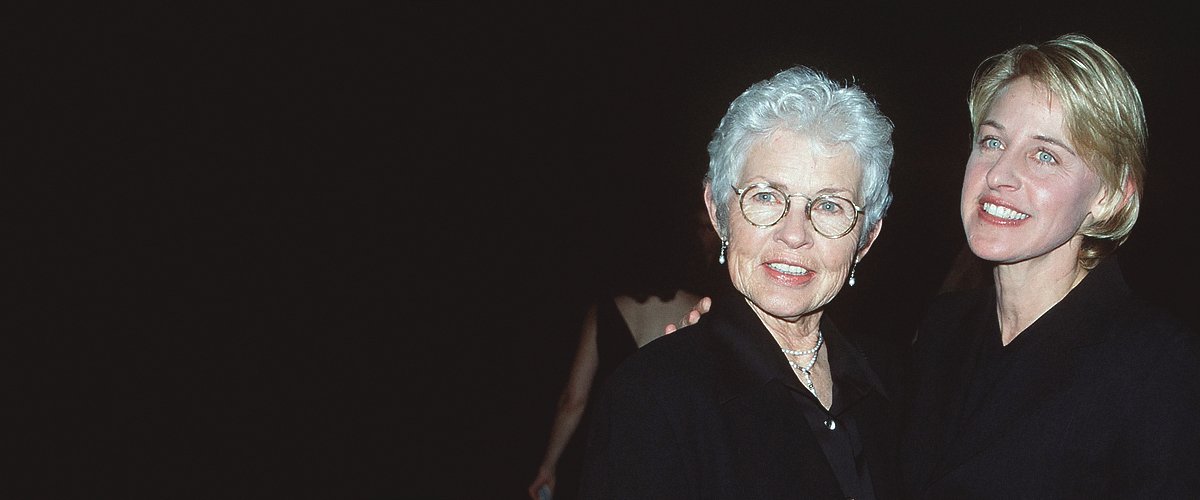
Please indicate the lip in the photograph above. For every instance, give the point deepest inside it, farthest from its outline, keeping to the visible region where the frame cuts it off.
(785, 277)
(999, 212)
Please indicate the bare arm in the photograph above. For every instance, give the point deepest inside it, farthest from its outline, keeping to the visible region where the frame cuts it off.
(571, 403)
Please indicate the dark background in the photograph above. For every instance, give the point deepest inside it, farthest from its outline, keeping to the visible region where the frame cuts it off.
(331, 252)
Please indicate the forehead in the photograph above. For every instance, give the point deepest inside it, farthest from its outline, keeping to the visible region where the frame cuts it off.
(1029, 106)
(793, 160)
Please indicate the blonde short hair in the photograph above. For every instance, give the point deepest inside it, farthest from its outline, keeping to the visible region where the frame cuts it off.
(1104, 116)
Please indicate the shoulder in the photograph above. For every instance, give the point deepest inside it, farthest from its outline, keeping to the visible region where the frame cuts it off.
(956, 303)
(947, 311)
(670, 362)
(1159, 357)
(1153, 328)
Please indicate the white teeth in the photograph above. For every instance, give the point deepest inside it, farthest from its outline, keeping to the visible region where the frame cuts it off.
(787, 269)
(1003, 212)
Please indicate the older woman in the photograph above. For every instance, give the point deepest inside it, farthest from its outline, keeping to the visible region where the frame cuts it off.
(763, 398)
(1056, 382)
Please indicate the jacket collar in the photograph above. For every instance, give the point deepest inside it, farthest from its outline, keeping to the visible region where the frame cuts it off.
(750, 357)
(1075, 320)
(1051, 342)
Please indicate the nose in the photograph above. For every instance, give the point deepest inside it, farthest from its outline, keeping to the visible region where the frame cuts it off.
(795, 229)
(1002, 174)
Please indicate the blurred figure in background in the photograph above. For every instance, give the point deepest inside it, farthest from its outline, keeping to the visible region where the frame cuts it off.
(627, 316)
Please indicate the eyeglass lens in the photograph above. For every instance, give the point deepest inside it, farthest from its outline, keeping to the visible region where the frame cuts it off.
(831, 216)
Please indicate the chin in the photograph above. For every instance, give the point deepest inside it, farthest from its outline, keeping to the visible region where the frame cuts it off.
(780, 307)
(994, 254)
(986, 251)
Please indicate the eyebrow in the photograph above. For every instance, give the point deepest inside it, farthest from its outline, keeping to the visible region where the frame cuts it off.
(832, 190)
(1043, 138)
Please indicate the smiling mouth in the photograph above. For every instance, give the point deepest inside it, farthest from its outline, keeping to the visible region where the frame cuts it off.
(788, 269)
(1003, 212)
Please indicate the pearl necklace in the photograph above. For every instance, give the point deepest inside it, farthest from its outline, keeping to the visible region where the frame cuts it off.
(806, 369)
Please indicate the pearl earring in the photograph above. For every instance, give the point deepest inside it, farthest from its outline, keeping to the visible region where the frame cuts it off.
(724, 245)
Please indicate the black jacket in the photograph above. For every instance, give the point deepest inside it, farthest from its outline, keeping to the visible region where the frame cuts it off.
(712, 411)
(1098, 398)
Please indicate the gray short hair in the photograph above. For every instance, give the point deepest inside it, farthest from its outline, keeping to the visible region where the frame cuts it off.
(804, 100)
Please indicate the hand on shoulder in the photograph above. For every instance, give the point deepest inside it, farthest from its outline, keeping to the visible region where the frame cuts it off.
(691, 317)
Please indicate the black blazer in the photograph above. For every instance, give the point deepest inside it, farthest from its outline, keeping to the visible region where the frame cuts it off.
(711, 411)
(1099, 398)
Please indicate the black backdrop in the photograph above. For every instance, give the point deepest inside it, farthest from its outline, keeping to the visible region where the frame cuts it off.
(341, 253)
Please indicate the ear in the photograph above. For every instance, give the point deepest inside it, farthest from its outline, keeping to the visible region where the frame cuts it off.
(1108, 204)
(1127, 192)
(862, 251)
(712, 209)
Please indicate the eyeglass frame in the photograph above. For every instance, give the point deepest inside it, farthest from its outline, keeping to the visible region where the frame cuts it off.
(787, 207)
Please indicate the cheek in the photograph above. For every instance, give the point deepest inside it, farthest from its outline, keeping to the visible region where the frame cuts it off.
(1084, 211)
(743, 250)
(839, 255)
(746, 239)
(974, 182)
(1069, 204)
(974, 174)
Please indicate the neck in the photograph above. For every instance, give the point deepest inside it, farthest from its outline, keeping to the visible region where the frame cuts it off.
(797, 334)
(1026, 290)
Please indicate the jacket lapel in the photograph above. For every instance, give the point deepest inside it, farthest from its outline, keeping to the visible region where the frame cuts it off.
(756, 392)
(1038, 373)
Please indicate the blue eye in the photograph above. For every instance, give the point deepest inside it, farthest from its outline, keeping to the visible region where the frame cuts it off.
(1046, 157)
(828, 206)
(991, 143)
(766, 197)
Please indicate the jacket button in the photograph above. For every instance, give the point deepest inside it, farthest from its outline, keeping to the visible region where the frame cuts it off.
(830, 424)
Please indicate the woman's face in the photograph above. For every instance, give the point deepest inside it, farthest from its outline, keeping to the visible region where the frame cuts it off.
(1027, 191)
(789, 270)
